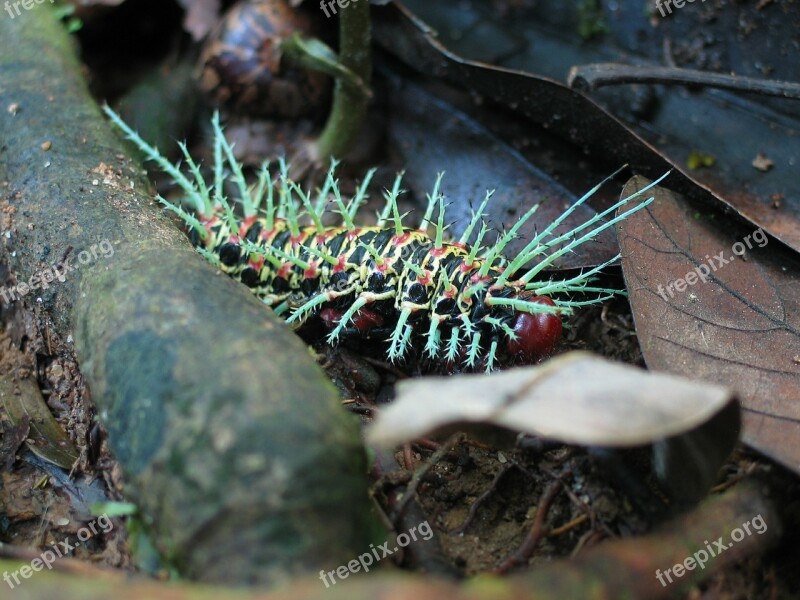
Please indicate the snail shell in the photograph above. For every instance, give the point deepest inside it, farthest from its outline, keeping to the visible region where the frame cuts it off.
(244, 70)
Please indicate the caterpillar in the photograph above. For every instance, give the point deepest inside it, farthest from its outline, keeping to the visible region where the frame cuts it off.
(463, 303)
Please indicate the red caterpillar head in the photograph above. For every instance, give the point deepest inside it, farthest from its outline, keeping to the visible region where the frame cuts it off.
(537, 334)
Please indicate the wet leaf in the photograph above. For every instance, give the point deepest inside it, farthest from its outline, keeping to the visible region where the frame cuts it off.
(576, 398)
(738, 324)
(79, 492)
(46, 438)
(431, 135)
(650, 149)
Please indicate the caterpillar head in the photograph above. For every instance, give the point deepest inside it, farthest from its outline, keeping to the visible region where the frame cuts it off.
(537, 334)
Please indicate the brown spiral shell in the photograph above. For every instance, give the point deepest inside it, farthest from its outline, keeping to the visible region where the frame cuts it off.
(244, 70)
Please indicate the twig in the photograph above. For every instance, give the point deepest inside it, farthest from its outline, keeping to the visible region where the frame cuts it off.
(408, 459)
(568, 526)
(416, 479)
(427, 555)
(473, 510)
(349, 107)
(591, 77)
(538, 530)
(583, 506)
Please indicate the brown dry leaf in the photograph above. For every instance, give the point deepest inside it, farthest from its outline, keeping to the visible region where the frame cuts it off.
(575, 398)
(23, 400)
(740, 327)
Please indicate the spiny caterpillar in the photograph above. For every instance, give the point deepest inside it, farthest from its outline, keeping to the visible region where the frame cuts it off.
(465, 301)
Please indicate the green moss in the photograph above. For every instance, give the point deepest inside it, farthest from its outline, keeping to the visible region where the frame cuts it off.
(591, 19)
(699, 160)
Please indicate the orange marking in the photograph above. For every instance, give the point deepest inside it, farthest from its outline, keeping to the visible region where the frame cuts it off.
(401, 239)
(477, 278)
(268, 236)
(247, 222)
(340, 265)
(256, 263)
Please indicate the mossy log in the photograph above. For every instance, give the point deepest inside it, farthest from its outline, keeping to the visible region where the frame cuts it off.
(235, 446)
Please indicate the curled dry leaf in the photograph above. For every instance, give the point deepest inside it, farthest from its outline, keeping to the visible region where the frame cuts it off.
(24, 404)
(576, 398)
(704, 312)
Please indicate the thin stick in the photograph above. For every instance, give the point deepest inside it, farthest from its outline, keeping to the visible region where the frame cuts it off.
(473, 509)
(416, 479)
(591, 77)
(349, 107)
(568, 526)
(537, 532)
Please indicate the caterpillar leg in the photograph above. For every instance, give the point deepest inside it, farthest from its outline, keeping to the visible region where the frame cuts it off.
(434, 337)
(474, 349)
(400, 336)
(304, 310)
(346, 317)
(453, 344)
(491, 356)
